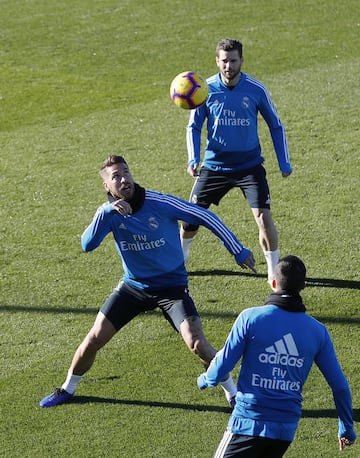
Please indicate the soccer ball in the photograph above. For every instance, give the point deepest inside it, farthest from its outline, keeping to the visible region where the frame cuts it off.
(189, 90)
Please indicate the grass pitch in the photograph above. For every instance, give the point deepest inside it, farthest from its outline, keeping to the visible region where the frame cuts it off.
(85, 78)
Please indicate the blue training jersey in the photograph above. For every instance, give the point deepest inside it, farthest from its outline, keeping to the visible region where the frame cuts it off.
(277, 349)
(232, 142)
(148, 240)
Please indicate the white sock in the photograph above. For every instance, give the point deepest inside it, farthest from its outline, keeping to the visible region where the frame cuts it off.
(229, 387)
(71, 382)
(185, 245)
(272, 258)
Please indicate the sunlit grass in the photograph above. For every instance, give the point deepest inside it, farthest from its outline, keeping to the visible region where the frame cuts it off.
(83, 79)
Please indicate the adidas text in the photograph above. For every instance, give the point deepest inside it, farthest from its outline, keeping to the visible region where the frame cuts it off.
(284, 360)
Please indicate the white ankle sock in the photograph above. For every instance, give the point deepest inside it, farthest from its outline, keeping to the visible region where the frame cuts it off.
(272, 258)
(71, 382)
(185, 245)
(229, 387)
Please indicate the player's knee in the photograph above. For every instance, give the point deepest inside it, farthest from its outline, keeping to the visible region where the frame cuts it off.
(263, 218)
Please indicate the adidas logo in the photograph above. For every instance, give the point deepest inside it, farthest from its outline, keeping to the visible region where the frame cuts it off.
(285, 346)
(283, 352)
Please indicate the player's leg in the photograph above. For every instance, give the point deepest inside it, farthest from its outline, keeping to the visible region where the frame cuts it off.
(268, 238)
(191, 331)
(118, 310)
(180, 310)
(100, 333)
(187, 237)
(254, 185)
(189, 231)
(208, 189)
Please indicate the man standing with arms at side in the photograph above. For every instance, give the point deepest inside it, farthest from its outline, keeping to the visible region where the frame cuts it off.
(232, 152)
(278, 344)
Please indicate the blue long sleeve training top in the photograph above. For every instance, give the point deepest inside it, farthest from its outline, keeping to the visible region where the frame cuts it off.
(232, 127)
(278, 348)
(148, 240)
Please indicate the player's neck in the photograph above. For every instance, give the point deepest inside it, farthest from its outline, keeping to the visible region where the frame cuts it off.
(231, 83)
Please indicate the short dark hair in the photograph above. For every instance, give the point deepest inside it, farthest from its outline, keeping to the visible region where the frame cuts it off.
(111, 160)
(290, 274)
(229, 44)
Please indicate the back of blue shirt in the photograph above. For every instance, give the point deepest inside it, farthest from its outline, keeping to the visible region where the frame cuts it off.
(277, 349)
(276, 364)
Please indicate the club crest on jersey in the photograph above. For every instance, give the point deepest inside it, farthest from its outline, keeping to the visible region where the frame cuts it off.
(153, 223)
(245, 102)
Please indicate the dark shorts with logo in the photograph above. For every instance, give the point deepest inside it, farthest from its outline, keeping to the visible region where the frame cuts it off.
(237, 445)
(126, 302)
(210, 187)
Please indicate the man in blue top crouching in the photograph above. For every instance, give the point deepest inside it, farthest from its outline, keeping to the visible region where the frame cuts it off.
(145, 227)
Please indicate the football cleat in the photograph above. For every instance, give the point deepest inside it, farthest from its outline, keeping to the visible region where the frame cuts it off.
(59, 396)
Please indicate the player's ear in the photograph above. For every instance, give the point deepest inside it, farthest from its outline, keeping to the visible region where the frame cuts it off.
(106, 187)
(273, 284)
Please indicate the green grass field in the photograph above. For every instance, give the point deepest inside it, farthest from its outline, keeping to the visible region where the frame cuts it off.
(84, 78)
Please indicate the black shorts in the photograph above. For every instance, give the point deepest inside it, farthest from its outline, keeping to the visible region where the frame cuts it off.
(210, 187)
(237, 445)
(126, 302)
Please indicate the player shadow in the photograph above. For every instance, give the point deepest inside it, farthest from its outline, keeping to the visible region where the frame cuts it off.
(306, 413)
(44, 309)
(135, 402)
(204, 313)
(310, 282)
(327, 413)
